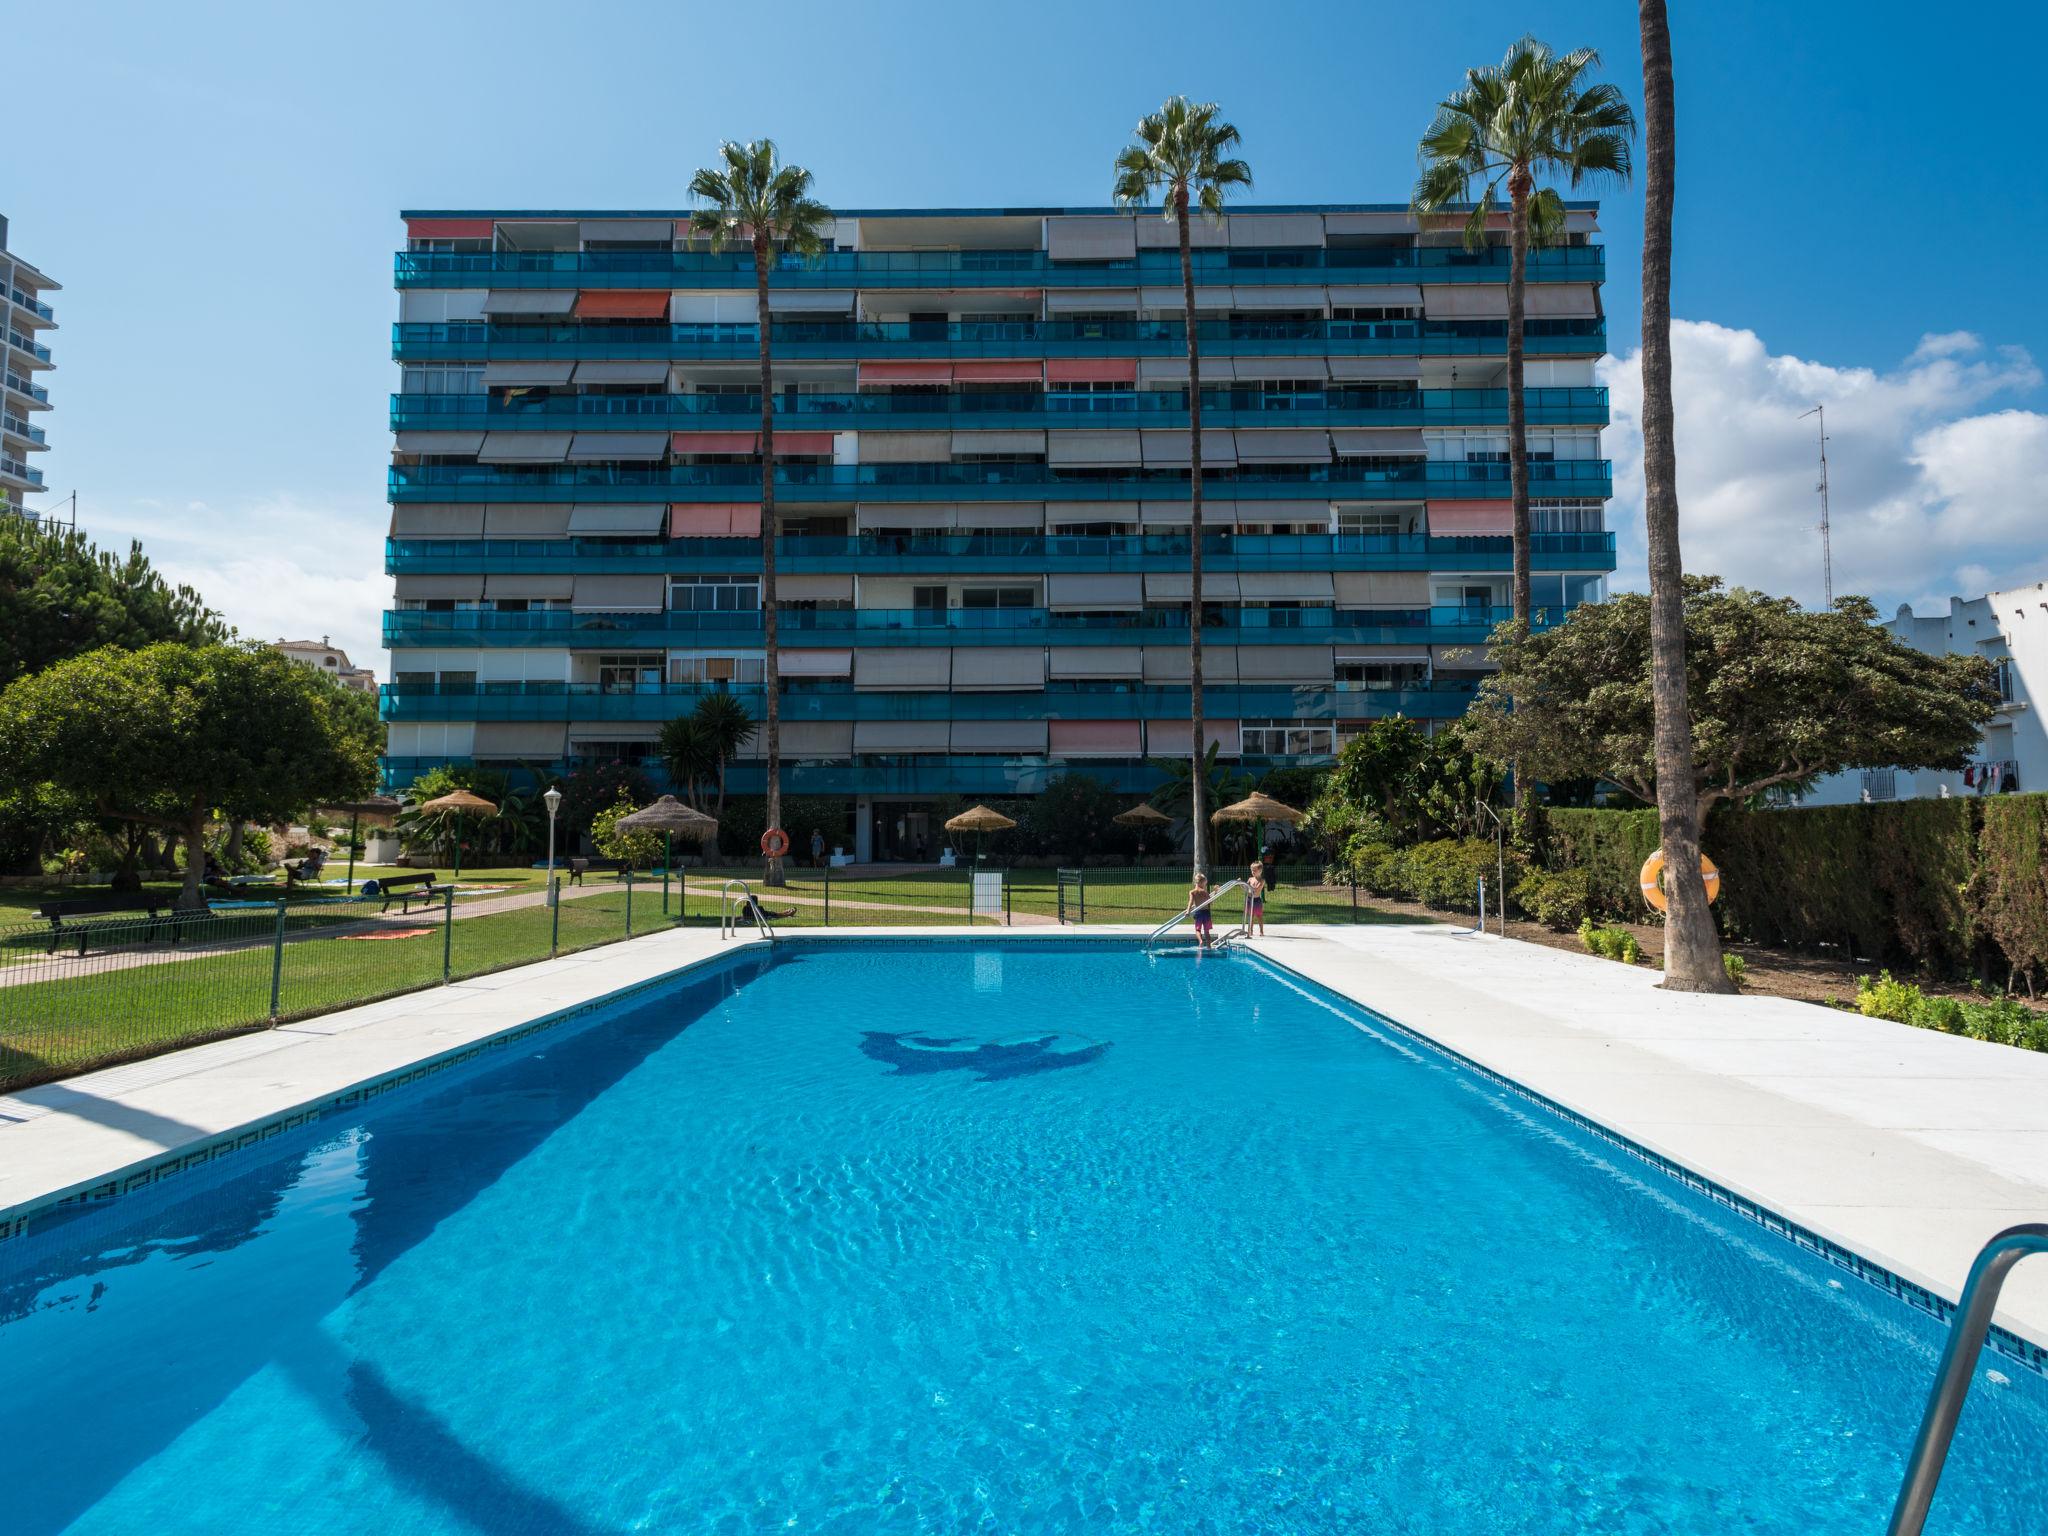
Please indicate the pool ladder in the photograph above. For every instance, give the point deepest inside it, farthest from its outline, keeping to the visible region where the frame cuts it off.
(1168, 925)
(730, 911)
(1966, 1333)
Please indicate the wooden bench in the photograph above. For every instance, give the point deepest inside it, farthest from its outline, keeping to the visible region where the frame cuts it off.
(155, 912)
(407, 889)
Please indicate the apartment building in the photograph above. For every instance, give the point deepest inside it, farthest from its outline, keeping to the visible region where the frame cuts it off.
(323, 655)
(982, 495)
(23, 399)
(2010, 630)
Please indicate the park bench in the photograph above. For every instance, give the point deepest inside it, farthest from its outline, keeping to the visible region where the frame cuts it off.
(407, 889)
(155, 913)
(579, 867)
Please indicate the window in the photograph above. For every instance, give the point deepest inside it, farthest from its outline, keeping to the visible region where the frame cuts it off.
(700, 671)
(413, 682)
(458, 682)
(998, 597)
(442, 379)
(630, 672)
(1372, 675)
(2001, 671)
(928, 597)
(1567, 517)
(1360, 521)
(1470, 594)
(715, 594)
(1289, 738)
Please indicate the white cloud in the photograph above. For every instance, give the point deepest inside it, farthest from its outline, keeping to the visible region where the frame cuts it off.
(1928, 494)
(277, 568)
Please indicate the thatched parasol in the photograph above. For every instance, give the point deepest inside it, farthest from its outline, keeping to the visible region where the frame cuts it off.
(979, 819)
(458, 803)
(1143, 817)
(380, 806)
(1261, 809)
(668, 816)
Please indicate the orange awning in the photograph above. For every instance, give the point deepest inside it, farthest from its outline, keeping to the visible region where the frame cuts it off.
(906, 373)
(622, 304)
(710, 519)
(715, 442)
(1469, 519)
(998, 373)
(449, 229)
(803, 442)
(1092, 370)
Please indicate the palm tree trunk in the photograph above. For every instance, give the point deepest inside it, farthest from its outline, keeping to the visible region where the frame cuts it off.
(1520, 187)
(1692, 951)
(771, 656)
(1198, 800)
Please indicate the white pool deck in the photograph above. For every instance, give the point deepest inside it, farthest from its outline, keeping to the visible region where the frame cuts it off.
(1906, 1146)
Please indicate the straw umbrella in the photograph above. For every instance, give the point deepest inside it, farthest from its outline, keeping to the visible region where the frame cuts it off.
(1259, 808)
(668, 816)
(1142, 818)
(979, 819)
(459, 803)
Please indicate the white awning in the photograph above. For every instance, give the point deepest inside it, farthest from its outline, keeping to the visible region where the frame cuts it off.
(998, 736)
(1253, 229)
(529, 301)
(810, 301)
(621, 373)
(1169, 664)
(1356, 441)
(620, 594)
(1367, 368)
(1091, 301)
(903, 667)
(1170, 449)
(521, 584)
(1465, 301)
(440, 442)
(1090, 661)
(1258, 369)
(1095, 591)
(615, 230)
(1000, 514)
(1375, 296)
(526, 520)
(1288, 296)
(1174, 586)
(589, 731)
(599, 518)
(539, 740)
(528, 375)
(524, 447)
(1381, 589)
(816, 738)
(1173, 301)
(463, 588)
(437, 520)
(814, 587)
(1576, 301)
(891, 737)
(908, 516)
(1287, 586)
(593, 446)
(1285, 664)
(1091, 238)
(1291, 445)
(1019, 444)
(815, 664)
(905, 447)
(978, 667)
(1101, 450)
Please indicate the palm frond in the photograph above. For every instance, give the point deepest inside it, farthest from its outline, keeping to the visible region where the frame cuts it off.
(1182, 152)
(755, 193)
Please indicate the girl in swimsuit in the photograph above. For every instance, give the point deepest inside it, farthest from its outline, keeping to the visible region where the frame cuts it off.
(1205, 919)
(1255, 900)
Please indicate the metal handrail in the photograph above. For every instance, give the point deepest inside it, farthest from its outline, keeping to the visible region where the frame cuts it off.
(1190, 911)
(748, 903)
(1958, 1363)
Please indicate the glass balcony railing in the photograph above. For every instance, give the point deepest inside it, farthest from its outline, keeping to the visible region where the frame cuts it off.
(1335, 406)
(1244, 336)
(659, 268)
(20, 471)
(948, 626)
(1225, 550)
(22, 386)
(1122, 700)
(40, 353)
(22, 428)
(33, 305)
(911, 482)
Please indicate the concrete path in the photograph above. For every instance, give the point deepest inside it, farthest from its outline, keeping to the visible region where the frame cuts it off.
(772, 899)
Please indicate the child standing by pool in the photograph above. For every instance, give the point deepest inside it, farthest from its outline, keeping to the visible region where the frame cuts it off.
(1198, 903)
(1255, 900)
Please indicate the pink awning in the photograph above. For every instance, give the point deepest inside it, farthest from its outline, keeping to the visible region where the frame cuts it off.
(715, 442)
(803, 442)
(998, 373)
(713, 520)
(1465, 519)
(746, 520)
(1096, 738)
(449, 229)
(1092, 370)
(906, 373)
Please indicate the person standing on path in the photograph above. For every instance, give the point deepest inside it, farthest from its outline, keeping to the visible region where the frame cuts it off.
(817, 848)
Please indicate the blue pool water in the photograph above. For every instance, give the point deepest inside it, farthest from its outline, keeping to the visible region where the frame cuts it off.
(893, 1238)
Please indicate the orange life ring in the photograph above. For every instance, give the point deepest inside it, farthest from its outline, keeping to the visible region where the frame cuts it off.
(775, 842)
(1651, 879)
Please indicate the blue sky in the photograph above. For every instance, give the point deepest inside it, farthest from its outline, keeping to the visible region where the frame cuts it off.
(219, 184)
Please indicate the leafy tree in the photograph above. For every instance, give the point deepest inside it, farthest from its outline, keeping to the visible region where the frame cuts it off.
(61, 596)
(167, 735)
(1189, 791)
(1692, 949)
(632, 849)
(1778, 695)
(1073, 816)
(1183, 152)
(589, 790)
(754, 197)
(1530, 115)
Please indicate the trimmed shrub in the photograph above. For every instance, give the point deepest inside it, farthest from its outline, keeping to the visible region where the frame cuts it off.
(1612, 943)
(2000, 1020)
(1557, 900)
(1733, 964)
(2009, 889)
(1609, 846)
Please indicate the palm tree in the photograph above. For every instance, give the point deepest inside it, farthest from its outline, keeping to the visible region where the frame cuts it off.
(753, 197)
(724, 726)
(1692, 950)
(686, 753)
(1530, 115)
(1183, 153)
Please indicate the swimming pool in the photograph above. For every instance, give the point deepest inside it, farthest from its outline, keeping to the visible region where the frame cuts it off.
(899, 1236)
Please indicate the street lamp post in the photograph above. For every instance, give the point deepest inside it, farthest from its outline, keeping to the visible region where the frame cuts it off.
(553, 800)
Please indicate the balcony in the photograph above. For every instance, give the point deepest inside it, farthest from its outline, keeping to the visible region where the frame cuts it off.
(34, 349)
(1120, 700)
(944, 626)
(1336, 406)
(1396, 479)
(708, 341)
(14, 426)
(26, 390)
(995, 269)
(1028, 553)
(35, 310)
(16, 469)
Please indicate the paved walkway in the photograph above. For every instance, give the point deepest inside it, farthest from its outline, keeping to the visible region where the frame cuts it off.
(1907, 1146)
(772, 899)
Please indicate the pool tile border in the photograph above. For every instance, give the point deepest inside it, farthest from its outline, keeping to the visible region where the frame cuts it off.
(2021, 1351)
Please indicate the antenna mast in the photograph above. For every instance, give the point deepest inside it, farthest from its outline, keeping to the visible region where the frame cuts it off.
(1827, 554)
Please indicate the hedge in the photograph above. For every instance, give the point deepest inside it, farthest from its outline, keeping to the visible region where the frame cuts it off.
(1946, 885)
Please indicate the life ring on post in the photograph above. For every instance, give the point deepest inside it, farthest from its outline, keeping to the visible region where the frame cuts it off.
(1651, 879)
(775, 842)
